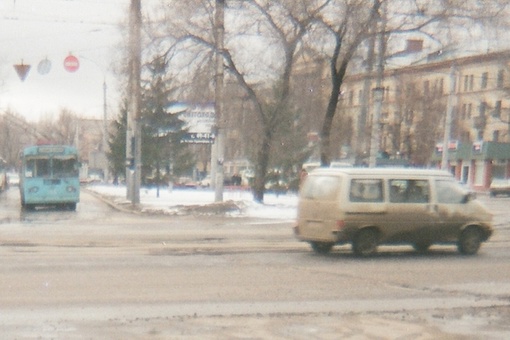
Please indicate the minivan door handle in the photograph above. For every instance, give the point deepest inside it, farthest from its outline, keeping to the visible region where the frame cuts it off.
(433, 208)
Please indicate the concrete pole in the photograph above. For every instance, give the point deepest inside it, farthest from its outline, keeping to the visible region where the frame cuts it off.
(362, 119)
(378, 98)
(219, 25)
(448, 119)
(133, 133)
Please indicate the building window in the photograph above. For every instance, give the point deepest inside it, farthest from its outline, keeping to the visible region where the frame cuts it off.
(471, 82)
(469, 109)
(495, 136)
(351, 97)
(485, 77)
(465, 136)
(441, 86)
(426, 88)
(464, 111)
(483, 109)
(466, 83)
(480, 135)
(360, 96)
(501, 78)
(497, 109)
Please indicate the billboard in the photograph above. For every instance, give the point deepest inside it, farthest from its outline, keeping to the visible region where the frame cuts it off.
(199, 121)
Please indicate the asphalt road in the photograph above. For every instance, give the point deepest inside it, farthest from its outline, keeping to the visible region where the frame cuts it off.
(101, 273)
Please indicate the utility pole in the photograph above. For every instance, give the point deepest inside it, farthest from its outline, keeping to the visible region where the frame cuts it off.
(378, 96)
(133, 133)
(367, 82)
(218, 155)
(448, 119)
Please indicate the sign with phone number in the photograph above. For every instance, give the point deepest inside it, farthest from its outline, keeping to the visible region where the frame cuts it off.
(201, 138)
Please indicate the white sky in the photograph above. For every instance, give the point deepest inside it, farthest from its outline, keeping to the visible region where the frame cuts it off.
(32, 30)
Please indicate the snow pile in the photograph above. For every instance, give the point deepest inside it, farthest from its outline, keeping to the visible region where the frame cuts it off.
(201, 201)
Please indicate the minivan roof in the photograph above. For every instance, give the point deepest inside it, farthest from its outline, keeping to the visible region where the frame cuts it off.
(382, 171)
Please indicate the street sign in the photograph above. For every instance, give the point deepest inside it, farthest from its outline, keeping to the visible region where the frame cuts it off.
(44, 66)
(22, 70)
(71, 63)
(199, 121)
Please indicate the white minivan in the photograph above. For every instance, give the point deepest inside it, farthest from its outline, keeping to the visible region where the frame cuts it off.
(370, 206)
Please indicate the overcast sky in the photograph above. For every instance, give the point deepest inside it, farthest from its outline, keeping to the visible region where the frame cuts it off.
(35, 30)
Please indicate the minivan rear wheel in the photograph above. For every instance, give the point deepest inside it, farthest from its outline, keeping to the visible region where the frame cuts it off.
(365, 243)
(470, 241)
(321, 247)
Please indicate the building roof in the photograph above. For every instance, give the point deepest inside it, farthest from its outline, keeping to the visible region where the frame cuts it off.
(440, 62)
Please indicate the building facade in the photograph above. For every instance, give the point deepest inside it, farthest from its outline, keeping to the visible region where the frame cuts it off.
(476, 91)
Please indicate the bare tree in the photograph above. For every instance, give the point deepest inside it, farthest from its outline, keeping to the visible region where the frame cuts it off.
(350, 24)
(287, 23)
(264, 38)
(276, 29)
(15, 133)
(63, 130)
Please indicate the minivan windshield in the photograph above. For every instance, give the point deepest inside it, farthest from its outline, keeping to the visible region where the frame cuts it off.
(450, 192)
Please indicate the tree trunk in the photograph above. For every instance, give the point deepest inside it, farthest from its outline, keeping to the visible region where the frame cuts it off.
(328, 122)
(262, 165)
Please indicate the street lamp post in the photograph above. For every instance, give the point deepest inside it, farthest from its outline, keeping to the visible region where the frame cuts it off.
(106, 173)
(104, 142)
(448, 120)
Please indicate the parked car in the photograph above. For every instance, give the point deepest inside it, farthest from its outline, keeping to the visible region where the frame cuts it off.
(500, 186)
(13, 178)
(369, 207)
(186, 182)
(205, 182)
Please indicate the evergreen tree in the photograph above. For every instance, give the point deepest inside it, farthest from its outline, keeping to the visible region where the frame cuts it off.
(117, 146)
(163, 154)
(162, 150)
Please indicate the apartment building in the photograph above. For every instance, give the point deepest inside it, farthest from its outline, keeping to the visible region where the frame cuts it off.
(416, 99)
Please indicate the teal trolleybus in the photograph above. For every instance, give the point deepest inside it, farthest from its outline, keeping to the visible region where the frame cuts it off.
(49, 176)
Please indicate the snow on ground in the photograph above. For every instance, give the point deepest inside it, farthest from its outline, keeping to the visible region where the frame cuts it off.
(175, 200)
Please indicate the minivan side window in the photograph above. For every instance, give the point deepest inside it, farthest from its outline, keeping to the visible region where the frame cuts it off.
(366, 190)
(409, 191)
(320, 187)
(449, 192)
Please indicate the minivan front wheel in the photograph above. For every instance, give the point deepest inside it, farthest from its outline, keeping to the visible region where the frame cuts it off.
(469, 241)
(365, 243)
(321, 247)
